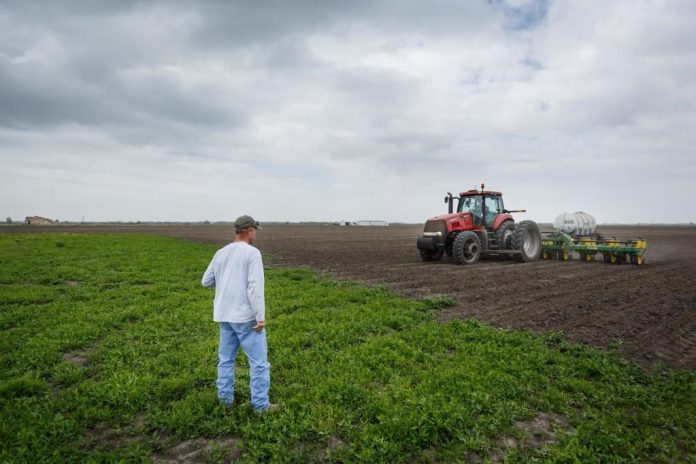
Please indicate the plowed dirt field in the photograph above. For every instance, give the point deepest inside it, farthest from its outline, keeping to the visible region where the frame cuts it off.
(646, 312)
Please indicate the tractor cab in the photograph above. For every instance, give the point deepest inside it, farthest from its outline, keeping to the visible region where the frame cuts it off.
(486, 207)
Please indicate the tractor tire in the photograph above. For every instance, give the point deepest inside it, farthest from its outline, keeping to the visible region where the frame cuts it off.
(449, 243)
(466, 248)
(427, 255)
(504, 235)
(526, 238)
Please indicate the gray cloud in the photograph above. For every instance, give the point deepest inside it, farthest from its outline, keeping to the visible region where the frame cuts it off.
(520, 16)
(240, 23)
(317, 108)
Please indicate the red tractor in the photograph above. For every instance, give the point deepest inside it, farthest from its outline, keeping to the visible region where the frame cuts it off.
(480, 227)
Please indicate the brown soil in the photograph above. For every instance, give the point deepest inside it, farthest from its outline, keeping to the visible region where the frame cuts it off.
(540, 431)
(333, 444)
(102, 435)
(647, 312)
(78, 357)
(199, 450)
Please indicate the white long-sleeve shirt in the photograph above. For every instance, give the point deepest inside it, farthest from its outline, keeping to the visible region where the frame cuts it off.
(236, 273)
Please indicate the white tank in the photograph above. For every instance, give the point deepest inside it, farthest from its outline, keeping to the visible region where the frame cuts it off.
(578, 223)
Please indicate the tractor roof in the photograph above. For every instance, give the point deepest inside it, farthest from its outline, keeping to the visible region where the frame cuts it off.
(471, 193)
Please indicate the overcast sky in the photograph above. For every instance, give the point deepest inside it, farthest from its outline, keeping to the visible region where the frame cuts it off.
(346, 110)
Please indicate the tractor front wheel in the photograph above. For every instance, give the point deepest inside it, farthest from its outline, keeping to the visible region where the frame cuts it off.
(466, 248)
(427, 255)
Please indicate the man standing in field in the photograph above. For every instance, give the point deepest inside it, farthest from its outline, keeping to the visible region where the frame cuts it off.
(236, 273)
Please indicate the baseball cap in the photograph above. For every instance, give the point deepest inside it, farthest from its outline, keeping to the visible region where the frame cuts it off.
(244, 222)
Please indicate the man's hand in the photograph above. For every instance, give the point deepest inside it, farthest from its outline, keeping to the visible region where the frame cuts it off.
(259, 326)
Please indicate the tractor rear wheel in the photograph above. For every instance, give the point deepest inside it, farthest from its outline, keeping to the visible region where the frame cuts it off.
(466, 248)
(427, 255)
(526, 238)
(504, 235)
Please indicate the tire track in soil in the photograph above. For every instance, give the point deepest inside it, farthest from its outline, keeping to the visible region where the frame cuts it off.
(650, 311)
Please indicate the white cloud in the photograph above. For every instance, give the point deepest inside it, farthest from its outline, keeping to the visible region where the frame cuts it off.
(345, 112)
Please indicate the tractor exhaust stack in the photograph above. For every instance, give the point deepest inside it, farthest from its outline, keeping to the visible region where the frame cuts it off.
(448, 200)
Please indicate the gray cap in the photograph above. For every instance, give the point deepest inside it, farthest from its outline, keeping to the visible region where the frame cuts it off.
(244, 222)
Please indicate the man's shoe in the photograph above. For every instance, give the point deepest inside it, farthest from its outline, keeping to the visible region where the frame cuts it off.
(271, 407)
(229, 406)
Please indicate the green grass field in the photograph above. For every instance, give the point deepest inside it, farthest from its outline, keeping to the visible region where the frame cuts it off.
(108, 353)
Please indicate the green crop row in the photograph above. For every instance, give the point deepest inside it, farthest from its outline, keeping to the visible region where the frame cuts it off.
(108, 353)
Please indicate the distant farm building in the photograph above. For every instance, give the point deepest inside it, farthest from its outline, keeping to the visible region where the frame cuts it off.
(38, 220)
(371, 223)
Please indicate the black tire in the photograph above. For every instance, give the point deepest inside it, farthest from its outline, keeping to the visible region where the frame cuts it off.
(466, 248)
(526, 238)
(448, 244)
(427, 255)
(504, 235)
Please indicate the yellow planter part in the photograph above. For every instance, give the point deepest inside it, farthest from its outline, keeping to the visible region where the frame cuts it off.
(589, 242)
(612, 242)
(639, 243)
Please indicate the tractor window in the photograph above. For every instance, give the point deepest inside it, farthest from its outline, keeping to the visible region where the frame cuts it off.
(492, 209)
(471, 204)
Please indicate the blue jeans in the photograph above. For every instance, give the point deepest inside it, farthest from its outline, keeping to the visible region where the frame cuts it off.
(232, 336)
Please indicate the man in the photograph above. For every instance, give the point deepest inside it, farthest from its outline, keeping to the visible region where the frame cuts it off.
(236, 273)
